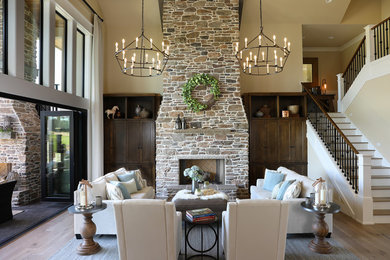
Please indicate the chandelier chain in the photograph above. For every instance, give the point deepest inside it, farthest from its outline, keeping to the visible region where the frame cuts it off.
(261, 18)
(142, 29)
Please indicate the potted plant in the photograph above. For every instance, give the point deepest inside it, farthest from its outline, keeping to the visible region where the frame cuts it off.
(5, 133)
(196, 174)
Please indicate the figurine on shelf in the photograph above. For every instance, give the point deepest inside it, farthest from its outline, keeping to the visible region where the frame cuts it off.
(266, 110)
(178, 123)
(112, 112)
(138, 110)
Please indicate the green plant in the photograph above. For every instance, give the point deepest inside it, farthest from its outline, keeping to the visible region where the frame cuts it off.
(195, 173)
(192, 83)
(3, 130)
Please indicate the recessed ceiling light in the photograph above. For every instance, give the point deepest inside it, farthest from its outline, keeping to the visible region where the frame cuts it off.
(328, 1)
(331, 37)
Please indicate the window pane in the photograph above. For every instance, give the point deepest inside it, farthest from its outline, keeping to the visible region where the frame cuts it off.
(80, 58)
(2, 27)
(60, 53)
(307, 73)
(32, 40)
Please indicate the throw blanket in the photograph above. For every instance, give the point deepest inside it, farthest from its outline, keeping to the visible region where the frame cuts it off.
(187, 195)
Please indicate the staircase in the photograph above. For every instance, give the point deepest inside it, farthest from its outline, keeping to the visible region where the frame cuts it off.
(380, 169)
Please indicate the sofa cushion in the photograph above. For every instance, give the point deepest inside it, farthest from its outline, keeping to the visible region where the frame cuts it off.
(283, 189)
(125, 193)
(110, 177)
(260, 193)
(99, 187)
(130, 186)
(129, 176)
(113, 192)
(271, 179)
(275, 190)
(306, 183)
(293, 191)
(145, 193)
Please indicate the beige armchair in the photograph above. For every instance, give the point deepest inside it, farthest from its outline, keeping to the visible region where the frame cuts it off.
(147, 229)
(255, 229)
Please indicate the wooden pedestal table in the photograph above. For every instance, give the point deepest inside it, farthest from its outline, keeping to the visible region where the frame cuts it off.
(89, 246)
(320, 227)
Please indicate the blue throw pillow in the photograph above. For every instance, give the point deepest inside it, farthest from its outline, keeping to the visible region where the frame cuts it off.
(125, 193)
(283, 189)
(129, 176)
(271, 179)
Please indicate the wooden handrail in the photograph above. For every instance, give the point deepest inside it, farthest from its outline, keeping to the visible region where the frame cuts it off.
(353, 56)
(388, 18)
(331, 120)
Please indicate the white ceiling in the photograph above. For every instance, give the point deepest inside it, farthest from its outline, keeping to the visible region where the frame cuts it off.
(329, 35)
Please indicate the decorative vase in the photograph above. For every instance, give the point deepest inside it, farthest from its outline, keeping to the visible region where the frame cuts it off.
(259, 113)
(195, 185)
(266, 111)
(144, 113)
(198, 192)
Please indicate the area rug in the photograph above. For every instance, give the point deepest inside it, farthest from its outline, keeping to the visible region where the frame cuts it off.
(29, 217)
(296, 248)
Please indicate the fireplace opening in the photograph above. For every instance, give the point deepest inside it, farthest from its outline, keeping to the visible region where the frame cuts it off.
(214, 169)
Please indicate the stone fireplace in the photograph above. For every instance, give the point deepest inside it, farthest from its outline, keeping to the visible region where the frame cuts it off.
(201, 36)
(21, 151)
(214, 169)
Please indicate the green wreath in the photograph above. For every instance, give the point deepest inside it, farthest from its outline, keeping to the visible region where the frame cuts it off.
(192, 83)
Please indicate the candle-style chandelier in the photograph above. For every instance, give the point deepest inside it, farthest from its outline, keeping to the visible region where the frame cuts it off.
(262, 55)
(142, 58)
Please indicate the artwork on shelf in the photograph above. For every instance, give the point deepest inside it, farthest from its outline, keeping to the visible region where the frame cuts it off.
(112, 112)
(285, 113)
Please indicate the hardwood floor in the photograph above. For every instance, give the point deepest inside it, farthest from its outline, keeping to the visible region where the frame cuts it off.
(365, 241)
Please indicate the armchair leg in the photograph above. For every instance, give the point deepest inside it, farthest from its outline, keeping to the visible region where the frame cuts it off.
(78, 236)
(329, 235)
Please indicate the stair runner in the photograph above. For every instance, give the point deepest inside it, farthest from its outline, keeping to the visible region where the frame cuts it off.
(380, 172)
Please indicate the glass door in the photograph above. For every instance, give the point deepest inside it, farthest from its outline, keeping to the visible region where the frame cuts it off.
(57, 137)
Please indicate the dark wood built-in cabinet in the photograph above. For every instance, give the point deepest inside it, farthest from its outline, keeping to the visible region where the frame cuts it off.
(130, 141)
(276, 141)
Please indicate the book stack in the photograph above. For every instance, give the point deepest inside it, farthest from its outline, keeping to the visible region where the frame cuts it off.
(200, 215)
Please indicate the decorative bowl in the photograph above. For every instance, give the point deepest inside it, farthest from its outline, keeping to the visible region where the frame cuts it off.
(294, 109)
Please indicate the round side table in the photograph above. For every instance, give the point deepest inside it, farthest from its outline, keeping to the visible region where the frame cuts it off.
(189, 225)
(89, 246)
(320, 227)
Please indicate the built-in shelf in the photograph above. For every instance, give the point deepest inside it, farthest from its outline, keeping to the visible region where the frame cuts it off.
(203, 131)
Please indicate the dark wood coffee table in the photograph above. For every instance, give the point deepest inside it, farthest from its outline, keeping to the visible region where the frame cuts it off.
(320, 227)
(89, 246)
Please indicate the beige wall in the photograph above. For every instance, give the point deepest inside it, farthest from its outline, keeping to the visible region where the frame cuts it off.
(385, 9)
(84, 10)
(329, 65)
(363, 12)
(369, 111)
(290, 79)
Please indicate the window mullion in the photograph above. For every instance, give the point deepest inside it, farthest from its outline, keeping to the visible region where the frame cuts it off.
(48, 42)
(16, 38)
(71, 57)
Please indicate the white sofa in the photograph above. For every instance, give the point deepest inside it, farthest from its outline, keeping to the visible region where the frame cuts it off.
(255, 229)
(104, 220)
(148, 229)
(299, 220)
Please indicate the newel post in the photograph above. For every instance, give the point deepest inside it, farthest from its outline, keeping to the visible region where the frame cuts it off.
(370, 51)
(364, 175)
(341, 91)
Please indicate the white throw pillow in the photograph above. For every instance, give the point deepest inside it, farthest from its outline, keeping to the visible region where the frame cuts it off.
(113, 192)
(110, 177)
(99, 187)
(293, 191)
(130, 186)
(275, 190)
(119, 171)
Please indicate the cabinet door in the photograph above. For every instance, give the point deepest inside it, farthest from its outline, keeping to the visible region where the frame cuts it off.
(264, 141)
(133, 142)
(284, 140)
(118, 151)
(148, 174)
(148, 141)
(271, 143)
(292, 140)
(108, 141)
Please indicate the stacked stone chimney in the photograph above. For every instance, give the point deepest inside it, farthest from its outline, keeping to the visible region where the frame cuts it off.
(201, 36)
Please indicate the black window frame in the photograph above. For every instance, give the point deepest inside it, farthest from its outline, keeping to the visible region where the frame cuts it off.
(83, 70)
(65, 89)
(5, 36)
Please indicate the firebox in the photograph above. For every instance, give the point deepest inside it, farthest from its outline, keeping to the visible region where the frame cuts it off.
(214, 170)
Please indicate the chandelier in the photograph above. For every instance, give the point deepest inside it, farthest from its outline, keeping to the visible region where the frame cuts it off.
(262, 55)
(142, 58)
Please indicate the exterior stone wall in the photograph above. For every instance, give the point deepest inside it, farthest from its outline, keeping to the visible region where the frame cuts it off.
(201, 36)
(31, 32)
(23, 150)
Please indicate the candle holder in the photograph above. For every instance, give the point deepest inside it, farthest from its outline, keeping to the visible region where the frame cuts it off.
(320, 194)
(84, 196)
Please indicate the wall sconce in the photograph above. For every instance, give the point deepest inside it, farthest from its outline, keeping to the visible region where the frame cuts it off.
(324, 85)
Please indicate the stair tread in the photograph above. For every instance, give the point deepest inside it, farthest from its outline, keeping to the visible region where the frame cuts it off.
(359, 142)
(380, 187)
(380, 177)
(380, 167)
(381, 212)
(366, 150)
(381, 199)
